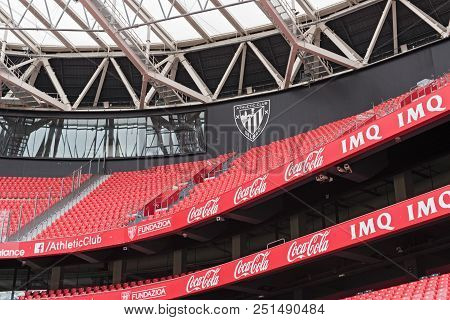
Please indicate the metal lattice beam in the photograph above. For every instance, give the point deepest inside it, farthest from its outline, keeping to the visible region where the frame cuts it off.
(298, 44)
(65, 5)
(135, 59)
(427, 18)
(236, 25)
(20, 34)
(377, 31)
(8, 79)
(31, 8)
(182, 10)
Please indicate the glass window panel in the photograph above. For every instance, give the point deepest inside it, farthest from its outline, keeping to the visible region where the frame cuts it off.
(89, 138)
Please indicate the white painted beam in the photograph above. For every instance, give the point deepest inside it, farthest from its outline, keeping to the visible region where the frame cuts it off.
(242, 69)
(55, 81)
(236, 25)
(65, 5)
(165, 71)
(194, 75)
(101, 83)
(20, 34)
(377, 31)
(228, 71)
(425, 17)
(10, 79)
(273, 72)
(34, 11)
(90, 83)
(126, 83)
(394, 26)
(340, 43)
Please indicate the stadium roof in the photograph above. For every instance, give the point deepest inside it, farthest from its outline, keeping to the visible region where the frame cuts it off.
(184, 21)
(157, 35)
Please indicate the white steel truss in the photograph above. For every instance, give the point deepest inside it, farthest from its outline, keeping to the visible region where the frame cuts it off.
(158, 62)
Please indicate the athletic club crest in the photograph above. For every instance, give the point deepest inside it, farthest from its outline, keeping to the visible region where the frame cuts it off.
(252, 118)
(132, 232)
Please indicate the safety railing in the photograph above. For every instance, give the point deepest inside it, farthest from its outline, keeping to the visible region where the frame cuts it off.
(179, 190)
(43, 200)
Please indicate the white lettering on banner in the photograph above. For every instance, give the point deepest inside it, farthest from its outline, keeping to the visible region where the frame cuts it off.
(208, 280)
(383, 222)
(12, 253)
(434, 104)
(209, 209)
(317, 244)
(154, 226)
(259, 264)
(313, 161)
(152, 293)
(257, 187)
(427, 207)
(358, 140)
(60, 245)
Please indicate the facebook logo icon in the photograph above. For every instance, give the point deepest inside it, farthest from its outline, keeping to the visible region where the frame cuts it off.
(39, 247)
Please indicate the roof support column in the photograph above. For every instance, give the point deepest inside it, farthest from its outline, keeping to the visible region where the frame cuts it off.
(165, 71)
(55, 82)
(242, 70)
(90, 83)
(394, 26)
(377, 31)
(101, 82)
(9, 79)
(194, 75)
(273, 72)
(126, 83)
(228, 71)
(301, 44)
(344, 47)
(425, 17)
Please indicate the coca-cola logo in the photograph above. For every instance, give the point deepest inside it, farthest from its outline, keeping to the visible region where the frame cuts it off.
(209, 209)
(257, 187)
(318, 243)
(312, 161)
(208, 280)
(258, 264)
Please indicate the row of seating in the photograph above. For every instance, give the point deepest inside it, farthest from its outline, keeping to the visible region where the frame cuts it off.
(117, 200)
(110, 205)
(61, 293)
(24, 198)
(435, 287)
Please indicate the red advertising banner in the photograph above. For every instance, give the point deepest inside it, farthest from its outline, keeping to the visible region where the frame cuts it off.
(408, 214)
(424, 111)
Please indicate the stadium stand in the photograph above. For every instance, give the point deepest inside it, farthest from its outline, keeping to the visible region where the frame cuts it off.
(23, 199)
(434, 287)
(119, 200)
(110, 205)
(123, 197)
